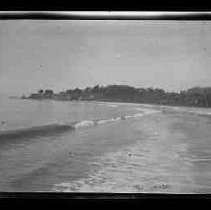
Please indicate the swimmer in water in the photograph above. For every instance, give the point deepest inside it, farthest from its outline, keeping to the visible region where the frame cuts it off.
(71, 154)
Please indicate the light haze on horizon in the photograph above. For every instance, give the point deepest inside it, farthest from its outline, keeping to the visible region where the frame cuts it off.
(34, 54)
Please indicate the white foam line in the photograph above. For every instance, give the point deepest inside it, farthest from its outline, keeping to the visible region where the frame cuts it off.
(112, 105)
(88, 123)
(84, 123)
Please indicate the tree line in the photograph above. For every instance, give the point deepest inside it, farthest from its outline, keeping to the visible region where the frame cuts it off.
(197, 96)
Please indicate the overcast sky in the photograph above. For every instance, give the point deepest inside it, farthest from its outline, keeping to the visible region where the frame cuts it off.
(67, 54)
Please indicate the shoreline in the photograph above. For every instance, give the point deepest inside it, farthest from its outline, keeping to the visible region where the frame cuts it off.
(118, 102)
(159, 151)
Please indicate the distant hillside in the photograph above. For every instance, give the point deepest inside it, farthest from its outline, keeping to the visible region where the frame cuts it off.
(196, 96)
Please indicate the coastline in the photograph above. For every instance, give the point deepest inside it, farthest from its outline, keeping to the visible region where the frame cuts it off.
(151, 153)
(192, 97)
(119, 102)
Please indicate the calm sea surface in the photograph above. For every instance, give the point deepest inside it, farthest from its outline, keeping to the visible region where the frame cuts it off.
(105, 147)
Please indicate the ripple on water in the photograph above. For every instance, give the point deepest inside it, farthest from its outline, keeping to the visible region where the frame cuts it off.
(119, 173)
(156, 165)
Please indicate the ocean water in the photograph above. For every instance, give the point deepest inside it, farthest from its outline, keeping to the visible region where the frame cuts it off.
(62, 146)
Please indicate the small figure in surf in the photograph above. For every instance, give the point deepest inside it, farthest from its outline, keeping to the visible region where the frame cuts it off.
(71, 154)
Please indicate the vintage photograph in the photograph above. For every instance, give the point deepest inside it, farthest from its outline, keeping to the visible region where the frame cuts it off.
(117, 106)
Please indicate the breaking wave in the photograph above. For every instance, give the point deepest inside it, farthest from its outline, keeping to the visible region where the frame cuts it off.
(52, 129)
(84, 123)
(34, 131)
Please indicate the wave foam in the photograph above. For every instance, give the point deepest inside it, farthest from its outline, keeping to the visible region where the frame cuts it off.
(112, 105)
(51, 129)
(85, 123)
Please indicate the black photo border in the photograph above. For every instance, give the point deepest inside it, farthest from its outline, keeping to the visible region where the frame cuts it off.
(104, 199)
